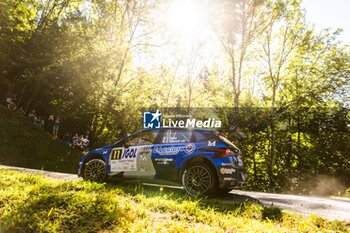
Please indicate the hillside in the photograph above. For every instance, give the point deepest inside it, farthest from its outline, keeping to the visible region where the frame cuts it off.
(24, 144)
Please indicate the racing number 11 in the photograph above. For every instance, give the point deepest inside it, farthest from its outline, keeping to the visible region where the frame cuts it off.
(116, 154)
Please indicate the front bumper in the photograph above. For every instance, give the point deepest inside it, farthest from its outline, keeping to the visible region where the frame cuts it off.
(80, 169)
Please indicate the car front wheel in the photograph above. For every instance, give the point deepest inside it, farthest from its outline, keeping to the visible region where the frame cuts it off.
(198, 180)
(95, 170)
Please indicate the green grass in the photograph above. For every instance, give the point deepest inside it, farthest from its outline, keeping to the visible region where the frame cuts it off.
(24, 144)
(32, 203)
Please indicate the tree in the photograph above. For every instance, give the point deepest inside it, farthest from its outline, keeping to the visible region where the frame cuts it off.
(284, 33)
(238, 26)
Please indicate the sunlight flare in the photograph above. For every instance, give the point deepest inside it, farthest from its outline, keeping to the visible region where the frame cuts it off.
(185, 17)
(187, 20)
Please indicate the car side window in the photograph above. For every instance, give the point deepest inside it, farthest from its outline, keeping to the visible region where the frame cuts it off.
(200, 137)
(143, 138)
(176, 136)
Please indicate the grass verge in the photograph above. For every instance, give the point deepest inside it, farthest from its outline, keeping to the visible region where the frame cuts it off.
(32, 203)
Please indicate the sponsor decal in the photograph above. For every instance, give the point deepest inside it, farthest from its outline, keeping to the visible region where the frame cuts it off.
(153, 120)
(228, 178)
(226, 164)
(226, 171)
(105, 152)
(163, 161)
(144, 161)
(190, 148)
(126, 154)
(173, 150)
(129, 153)
(168, 150)
(213, 143)
(123, 159)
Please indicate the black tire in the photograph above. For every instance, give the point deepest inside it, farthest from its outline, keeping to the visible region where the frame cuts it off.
(199, 180)
(95, 170)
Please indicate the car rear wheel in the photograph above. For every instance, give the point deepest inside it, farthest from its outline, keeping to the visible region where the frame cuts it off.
(199, 180)
(95, 170)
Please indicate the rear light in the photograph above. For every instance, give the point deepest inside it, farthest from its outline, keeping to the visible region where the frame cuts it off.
(221, 152)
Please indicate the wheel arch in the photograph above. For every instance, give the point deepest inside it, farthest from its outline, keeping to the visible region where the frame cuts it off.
(93, 156)
(198, 159)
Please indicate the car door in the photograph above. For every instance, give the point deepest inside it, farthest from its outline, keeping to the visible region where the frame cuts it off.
(171, 147)
(133, 156)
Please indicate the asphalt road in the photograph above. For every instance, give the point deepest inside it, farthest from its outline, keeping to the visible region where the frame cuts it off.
(333, 209)
(330, 208)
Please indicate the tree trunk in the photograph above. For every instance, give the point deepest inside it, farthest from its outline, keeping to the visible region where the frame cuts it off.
(272, 142)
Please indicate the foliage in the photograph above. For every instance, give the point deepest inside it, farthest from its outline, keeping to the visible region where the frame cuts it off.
(347, 193)
(272, 213)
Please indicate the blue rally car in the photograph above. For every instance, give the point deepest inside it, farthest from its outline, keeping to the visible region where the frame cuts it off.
(201, 160)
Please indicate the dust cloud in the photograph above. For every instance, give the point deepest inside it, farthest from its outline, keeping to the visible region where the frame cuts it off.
(322, 185)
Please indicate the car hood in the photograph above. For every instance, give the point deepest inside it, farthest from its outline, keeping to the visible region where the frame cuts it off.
(101, 150)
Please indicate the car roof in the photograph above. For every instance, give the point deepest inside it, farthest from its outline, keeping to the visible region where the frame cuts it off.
(182, 128)
(150, 129)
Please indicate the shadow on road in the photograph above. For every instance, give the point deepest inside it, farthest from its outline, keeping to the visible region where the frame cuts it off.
(237, 198)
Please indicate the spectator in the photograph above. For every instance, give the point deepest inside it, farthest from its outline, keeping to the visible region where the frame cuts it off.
(11, 103)
(66, 139)
(37, 121)
(50, 123)
(8, 102)
(80, 142)
(75, 140)
(86, 142)
(14, 103)
(56, 126)
(32, 116)
(41, 124)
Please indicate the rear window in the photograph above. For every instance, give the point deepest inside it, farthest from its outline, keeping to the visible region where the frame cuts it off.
(176, 136)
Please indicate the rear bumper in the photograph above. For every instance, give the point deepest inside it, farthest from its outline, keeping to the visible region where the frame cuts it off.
(232, 177)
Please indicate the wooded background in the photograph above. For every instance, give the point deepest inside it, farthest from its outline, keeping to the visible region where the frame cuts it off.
(97, 63)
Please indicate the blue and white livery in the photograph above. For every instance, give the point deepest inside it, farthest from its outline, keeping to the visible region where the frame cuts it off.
(201, 160)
